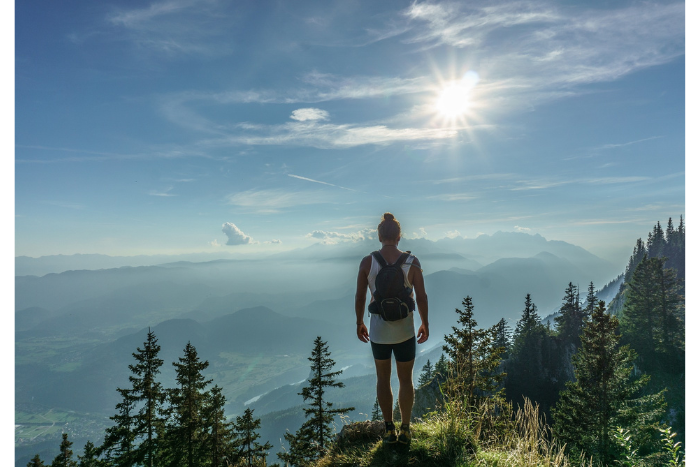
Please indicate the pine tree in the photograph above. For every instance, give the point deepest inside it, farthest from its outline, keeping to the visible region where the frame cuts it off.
(90, 457)
(36, 462)
(591, 302)
(187, 433)
(65, 458)
(503, 338)
(150, 394)
(570, 319)
(246, 428)
(534, 368)
(441, 367)
(474, 361)
(652, 315)
(637, 255)
(118, 445)
(656, 242)
(426, 374)
(221, 439)
(312, 439)
(376, 411)
(603, 394)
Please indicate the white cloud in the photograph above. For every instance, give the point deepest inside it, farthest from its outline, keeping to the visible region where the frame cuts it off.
(235, 235)
(454, 197)
(303, 115)
(272, 200)
(521, 229)
(452, 234)
(327, 136)
(334, 237)
(215, 243)
(420, 234)
(274, 241)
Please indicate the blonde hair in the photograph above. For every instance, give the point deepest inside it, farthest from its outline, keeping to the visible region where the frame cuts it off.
(389, 228)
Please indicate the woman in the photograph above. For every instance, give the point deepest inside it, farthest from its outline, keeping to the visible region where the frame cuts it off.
(397, 337)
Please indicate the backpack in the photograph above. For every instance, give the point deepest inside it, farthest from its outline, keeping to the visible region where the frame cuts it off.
(392, 299)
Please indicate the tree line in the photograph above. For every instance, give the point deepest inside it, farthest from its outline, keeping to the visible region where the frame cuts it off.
(598, 376)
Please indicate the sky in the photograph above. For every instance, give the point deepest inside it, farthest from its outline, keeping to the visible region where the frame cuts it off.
(182, 126)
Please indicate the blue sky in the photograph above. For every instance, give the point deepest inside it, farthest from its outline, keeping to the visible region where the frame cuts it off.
(180, 126)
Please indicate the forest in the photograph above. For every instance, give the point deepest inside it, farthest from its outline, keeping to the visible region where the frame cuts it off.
(603, 385)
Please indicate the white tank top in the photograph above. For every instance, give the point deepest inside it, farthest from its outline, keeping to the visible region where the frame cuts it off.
(390, 332)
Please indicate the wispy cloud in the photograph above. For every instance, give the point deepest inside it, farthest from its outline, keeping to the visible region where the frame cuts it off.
(521, 229)
(327, 135)
(454, 197)
(468, 178)
(62, 204)
(620, 145)
(539, 50)
(303, 115)
(549, 183)
(317, 181)
(273, 200)
(165, 192)
(174, 27)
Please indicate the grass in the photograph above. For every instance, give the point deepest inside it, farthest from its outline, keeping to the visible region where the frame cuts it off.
(452, 438)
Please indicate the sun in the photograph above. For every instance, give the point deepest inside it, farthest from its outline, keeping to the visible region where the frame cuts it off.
(453, 100)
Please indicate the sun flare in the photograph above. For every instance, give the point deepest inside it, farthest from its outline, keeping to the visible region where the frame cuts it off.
(453, 100)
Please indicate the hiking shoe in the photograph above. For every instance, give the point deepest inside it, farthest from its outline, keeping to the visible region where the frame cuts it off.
(405, 434)
(389, 434)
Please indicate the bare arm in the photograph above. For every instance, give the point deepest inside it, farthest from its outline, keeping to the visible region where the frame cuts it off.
(361, 298)
(421, 301)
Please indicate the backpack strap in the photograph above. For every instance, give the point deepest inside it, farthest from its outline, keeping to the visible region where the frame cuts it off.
(380, 259)
(402, 259)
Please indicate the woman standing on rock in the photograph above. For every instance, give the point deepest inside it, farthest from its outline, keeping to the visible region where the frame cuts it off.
(393, 277)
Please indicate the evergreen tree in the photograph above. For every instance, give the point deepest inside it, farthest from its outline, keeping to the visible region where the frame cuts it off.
(637, 255)
(474, 361)
(90, 457)
(652, 315)
(36, 462)
(150, 394)
(250, 450)
(376, 411)
(529, 319)
(441, 367)
(65, 458)
(591, 302)
(221, 439)
(426, 374)
(534, 369)
(503, 338)
(656, 242)
(570, 319)
(188, 432)
(118, 445)
(603, 394)
(312, 439)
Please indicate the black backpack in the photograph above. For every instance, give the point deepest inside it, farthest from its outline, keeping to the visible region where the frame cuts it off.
(392, 299)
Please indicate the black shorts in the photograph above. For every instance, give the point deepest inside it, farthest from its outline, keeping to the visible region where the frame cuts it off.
(404, 351)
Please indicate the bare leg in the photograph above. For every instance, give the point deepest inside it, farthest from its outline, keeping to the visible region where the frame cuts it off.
(384, 395)
(404, 371)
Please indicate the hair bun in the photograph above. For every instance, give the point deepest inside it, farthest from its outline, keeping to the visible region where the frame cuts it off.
(388, 216)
